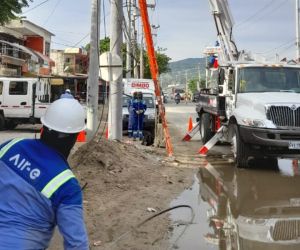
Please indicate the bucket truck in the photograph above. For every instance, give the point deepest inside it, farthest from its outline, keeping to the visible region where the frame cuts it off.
(253, 105)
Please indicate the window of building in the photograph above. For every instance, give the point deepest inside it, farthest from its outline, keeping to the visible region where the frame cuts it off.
(18, 88)
(47, 49)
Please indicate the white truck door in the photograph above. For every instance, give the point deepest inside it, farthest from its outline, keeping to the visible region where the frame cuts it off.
(17, 98)
(42, 97)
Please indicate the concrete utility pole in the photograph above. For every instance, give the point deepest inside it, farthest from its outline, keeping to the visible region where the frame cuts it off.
(297, 31)
(93, 74)
(186, 81)
(142, 57)
(116, 87)
(129, 44)
(199, 74)
(134, 37)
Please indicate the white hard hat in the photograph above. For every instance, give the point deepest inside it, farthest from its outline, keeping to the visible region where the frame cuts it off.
(65, 115)
(68, 91)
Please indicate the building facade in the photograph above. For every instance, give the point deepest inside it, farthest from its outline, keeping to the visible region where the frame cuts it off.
(24, 49)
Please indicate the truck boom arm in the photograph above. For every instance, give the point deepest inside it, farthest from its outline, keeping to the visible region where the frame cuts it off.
(224, 23)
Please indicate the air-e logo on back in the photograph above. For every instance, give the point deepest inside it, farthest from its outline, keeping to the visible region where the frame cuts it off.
(22, 164)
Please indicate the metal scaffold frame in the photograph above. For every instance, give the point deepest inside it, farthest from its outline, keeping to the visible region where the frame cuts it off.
(154, 72)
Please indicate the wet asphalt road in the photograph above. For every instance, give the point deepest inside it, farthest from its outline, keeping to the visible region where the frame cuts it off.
(256, 208)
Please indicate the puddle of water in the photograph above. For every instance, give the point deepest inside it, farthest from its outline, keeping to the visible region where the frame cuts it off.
(191, 236)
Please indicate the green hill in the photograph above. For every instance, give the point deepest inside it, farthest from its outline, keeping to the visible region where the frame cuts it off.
(182, 70)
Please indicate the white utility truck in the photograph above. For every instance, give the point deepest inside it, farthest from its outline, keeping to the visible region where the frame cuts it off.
(23, 100)
(254, 105)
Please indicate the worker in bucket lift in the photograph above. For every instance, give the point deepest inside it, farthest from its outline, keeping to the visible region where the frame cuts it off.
(37, 187)
(139, 108)
(131, 114)
(67, 94)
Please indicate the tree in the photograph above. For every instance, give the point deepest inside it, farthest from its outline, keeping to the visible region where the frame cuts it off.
(162, 59)
(192, 85)
(10, 8)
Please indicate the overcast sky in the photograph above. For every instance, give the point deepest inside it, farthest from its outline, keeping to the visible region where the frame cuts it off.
(186, 26)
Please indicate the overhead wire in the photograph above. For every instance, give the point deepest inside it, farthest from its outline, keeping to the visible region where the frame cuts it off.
(54, 9)
(282, 45)
(42, 3)
(269, 11)
(255, 14)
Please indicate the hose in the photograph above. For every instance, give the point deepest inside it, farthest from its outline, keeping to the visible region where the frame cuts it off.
(152, 217)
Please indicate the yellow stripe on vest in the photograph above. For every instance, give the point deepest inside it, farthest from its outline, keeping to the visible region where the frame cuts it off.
(57, 182)
(8, 146)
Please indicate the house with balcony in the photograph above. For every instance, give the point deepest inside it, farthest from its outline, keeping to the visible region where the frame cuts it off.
(25, 49)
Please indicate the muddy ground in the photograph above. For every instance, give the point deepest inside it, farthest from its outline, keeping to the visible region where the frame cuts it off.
(126, 183)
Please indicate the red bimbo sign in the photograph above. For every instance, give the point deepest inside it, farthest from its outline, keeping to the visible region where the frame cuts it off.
(140, 85)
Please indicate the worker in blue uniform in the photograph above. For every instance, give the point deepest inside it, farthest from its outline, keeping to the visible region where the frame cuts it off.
(37, 187)
(67, 94)
(131, 114)
(139, 108)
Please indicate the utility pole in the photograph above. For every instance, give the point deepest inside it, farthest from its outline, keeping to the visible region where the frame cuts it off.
(93, 73)
(129, 44)
(186, 82)
(116, 87)
(199, 74)
(142, 57)
(297, 31)
(134, 37)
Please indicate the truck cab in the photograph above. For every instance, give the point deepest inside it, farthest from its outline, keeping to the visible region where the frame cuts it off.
(259, 104)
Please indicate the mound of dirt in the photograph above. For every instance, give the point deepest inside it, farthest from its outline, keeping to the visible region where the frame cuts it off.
(123, 184)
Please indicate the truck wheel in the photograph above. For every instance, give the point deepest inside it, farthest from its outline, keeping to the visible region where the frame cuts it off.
(2, 122)
(239, 149)
(205, 127)
(10, 124)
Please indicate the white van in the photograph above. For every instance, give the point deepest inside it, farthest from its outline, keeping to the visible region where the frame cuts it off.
(23, 100)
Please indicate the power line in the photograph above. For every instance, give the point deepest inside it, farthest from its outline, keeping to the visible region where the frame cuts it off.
(272, 10)
(82, 39)
(35, 6)
(255, 14)
(282, 45)
(57, 3)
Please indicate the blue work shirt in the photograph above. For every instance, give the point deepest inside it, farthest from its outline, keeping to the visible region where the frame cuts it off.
(67, 95)
(38, 191)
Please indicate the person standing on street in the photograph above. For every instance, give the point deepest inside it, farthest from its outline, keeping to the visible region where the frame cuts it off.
(139, 108)
(37, 187)
(67, 94)
(131, 114)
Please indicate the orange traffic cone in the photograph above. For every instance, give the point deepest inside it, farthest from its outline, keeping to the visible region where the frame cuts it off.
(106, 133)
(81, 136)
(190, 127)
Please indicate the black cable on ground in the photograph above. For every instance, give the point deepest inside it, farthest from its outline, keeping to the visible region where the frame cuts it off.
(152, 217)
